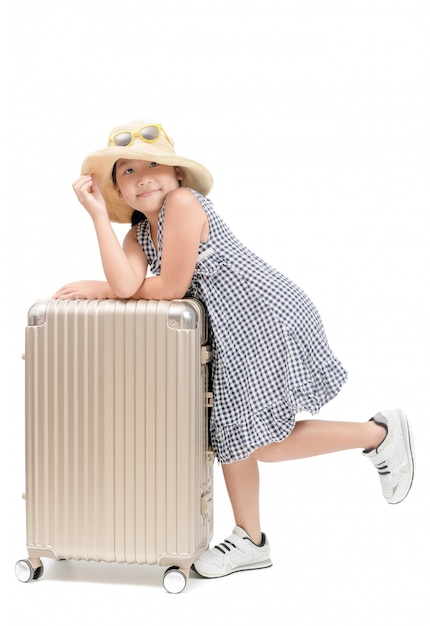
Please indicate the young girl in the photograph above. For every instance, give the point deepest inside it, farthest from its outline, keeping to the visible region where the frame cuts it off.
(284, 365)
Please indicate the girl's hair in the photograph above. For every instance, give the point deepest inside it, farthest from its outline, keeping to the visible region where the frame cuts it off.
(114, 174)
(136, 216)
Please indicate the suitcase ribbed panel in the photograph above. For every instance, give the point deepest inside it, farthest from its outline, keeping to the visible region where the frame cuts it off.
(116, 432)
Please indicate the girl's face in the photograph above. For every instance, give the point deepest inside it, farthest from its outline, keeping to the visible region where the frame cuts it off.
(144, 185)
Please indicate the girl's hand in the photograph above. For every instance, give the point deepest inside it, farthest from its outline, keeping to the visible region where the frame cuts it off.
(85, 290)
(89, 195)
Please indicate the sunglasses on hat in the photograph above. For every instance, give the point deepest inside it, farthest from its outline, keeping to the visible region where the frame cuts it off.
(149, 134)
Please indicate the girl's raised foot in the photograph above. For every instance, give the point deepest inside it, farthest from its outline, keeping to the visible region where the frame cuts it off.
(394, 457)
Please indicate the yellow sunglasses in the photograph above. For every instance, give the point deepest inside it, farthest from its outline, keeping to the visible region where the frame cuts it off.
(149, 134)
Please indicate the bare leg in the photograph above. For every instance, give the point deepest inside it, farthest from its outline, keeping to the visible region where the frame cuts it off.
(309, 438)
(243, 485)
(315, 437)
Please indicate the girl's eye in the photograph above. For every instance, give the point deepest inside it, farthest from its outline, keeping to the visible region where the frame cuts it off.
(129, 170)
(153, 164)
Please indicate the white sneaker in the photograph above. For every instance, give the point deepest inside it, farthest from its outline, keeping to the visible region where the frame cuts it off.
(394, 457)
(236, 554)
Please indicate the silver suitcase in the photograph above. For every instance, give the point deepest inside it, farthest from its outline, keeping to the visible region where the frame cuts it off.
(118, 462)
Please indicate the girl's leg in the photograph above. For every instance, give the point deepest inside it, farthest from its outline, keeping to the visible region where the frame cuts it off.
(309, 438)
(315, 437)
(245, 548)
(243, 486)
(386, 440)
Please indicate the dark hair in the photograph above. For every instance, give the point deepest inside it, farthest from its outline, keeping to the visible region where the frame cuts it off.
(137, 217)
(114, 174)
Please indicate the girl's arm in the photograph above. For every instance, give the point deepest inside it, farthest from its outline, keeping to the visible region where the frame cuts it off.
(101, 289)
(185, 226)
(125, 269)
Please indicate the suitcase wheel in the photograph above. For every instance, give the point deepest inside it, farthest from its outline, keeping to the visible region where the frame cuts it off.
(174, 580)
(27, 570)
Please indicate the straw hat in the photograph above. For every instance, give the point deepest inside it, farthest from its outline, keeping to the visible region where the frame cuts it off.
(159, 149)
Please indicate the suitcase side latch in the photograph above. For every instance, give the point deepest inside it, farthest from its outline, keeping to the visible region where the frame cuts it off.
(206, 354)
(206, 504)
(208, 400)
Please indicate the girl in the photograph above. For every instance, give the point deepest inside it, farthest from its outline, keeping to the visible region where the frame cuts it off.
(284, 365)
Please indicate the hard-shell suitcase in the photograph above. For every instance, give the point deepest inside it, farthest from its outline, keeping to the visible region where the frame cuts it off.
(118, 462)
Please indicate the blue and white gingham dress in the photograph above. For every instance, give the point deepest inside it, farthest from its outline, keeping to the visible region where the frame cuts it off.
(271, 358)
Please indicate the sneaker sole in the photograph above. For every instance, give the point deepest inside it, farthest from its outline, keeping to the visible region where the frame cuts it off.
(409, 449)
(262, 565)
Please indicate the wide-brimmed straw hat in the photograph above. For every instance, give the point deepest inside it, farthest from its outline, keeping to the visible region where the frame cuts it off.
(157, 146)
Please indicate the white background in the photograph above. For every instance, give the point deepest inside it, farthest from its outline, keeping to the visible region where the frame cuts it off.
(313, 116)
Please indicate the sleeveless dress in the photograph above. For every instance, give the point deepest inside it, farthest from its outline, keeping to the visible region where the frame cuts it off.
(271, 359)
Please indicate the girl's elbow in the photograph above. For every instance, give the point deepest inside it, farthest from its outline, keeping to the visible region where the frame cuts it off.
(174, 291)
(177, 294)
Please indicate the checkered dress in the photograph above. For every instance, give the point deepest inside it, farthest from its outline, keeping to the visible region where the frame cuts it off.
(271, 356)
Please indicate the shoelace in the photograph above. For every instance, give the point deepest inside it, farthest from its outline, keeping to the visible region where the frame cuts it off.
(382, 466)
(223, 545)
(389, 480)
